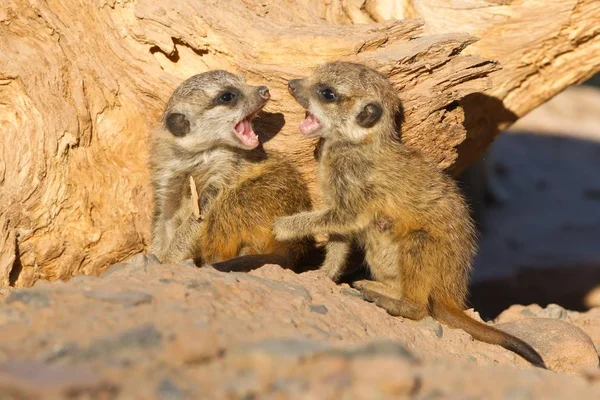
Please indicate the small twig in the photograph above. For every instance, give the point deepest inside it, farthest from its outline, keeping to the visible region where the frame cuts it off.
(194, 190)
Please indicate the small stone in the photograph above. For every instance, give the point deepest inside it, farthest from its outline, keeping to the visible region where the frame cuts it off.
(430, 323)
(526, 312)
(167, 390)
(556, 311)
(29, 298)
(126, 298)
(137, 259)
(318, 308)
(564, 347)
(200, 285)
(517, 311)
(144, 337)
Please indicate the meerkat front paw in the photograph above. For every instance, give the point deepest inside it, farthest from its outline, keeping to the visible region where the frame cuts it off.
(283, 228)
(332, 271)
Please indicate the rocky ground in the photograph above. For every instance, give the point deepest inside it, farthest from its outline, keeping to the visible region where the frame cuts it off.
(151, 331)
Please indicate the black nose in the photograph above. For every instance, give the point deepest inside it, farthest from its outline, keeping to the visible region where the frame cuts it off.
(293, 85)
(263, 91)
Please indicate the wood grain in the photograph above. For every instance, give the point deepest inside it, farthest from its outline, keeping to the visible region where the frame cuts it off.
(82, 84)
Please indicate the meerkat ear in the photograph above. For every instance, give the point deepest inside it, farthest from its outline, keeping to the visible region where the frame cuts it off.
(178, 124)
(369, 115)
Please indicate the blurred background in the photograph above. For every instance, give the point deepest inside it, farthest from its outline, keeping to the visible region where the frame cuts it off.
(536, 198)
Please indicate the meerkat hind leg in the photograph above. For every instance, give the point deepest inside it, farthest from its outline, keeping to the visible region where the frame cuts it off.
(394, 288)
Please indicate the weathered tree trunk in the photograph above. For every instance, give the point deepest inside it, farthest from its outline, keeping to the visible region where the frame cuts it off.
(83, 82)
(542, 47)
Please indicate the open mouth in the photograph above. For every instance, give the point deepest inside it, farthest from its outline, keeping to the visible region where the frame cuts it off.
(245, 133)
(309, 125)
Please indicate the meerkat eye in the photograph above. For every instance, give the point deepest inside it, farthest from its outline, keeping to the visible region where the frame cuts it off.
(327, 94)
(227, 97)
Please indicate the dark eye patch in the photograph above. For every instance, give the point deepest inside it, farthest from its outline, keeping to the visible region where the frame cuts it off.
(227, 97)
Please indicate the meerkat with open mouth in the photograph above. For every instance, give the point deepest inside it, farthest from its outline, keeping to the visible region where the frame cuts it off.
(421, 259)
(206, 133)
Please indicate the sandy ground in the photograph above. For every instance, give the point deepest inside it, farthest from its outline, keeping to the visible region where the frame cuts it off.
(548, 167)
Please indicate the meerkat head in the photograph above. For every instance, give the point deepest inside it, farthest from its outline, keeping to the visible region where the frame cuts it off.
(345, 100)
(214, 108)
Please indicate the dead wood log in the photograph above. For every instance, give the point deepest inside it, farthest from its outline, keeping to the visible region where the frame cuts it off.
(83, 82)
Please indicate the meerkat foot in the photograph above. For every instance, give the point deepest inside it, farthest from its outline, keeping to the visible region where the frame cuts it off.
(390, 300)
(376, 288)
(371, 291)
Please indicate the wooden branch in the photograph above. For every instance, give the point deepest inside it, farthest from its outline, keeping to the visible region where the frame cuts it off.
(82, 85)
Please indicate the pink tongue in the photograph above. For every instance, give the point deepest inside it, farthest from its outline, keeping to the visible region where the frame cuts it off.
(309, 125)
(246, 134)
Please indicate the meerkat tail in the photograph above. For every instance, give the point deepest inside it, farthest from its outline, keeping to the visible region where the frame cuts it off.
(458, 319)
(248, 263)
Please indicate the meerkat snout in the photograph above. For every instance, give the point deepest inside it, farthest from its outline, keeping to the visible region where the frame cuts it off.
(292, 84)
(263, 91)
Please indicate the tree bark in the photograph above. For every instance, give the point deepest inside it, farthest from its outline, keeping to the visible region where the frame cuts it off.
(82, 83)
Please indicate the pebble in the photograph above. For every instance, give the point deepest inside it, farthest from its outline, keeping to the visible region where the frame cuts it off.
(126, 298)
(563, 346)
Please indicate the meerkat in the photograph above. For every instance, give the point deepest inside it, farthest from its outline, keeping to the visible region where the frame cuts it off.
(408, 216)
(206, 133)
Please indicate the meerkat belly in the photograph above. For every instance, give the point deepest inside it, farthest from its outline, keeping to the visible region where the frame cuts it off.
(381, 254)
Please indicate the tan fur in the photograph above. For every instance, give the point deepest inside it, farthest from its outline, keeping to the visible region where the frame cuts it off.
(410, 218)
(241, 189)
